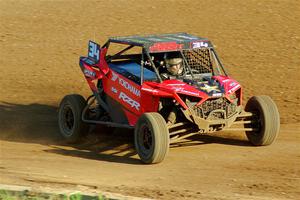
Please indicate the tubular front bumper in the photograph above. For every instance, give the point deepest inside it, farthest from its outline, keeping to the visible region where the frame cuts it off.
(211, 125)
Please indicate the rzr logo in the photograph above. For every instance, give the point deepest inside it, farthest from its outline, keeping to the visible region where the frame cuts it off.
(130, 101)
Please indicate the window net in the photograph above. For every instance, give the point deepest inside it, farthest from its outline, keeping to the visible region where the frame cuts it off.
(199, 59)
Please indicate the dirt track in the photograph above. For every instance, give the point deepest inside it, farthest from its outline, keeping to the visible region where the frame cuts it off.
(40, 44)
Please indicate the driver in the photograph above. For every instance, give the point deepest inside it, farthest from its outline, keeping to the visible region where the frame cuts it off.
(171, 66)
(174, 66)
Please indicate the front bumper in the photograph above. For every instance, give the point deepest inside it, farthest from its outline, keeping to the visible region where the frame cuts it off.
(211, 125)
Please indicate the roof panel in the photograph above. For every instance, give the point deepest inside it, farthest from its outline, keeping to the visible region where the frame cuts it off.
(146, 40)
(164, 42)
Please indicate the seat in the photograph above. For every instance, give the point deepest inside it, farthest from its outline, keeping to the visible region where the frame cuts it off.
(132, 71)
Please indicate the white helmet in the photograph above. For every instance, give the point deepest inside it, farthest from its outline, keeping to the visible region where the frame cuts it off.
(174, 66)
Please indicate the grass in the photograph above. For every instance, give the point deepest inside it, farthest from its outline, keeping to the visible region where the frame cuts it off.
(28, 195)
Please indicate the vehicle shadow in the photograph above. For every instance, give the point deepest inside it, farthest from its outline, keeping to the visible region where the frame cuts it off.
(32, 123)
(109, 148)
(37, 123)
(224, 138)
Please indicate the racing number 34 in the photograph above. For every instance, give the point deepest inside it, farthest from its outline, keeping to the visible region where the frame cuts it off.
(94, 51)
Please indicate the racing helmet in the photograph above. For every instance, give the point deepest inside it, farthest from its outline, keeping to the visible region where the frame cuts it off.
(174, 66)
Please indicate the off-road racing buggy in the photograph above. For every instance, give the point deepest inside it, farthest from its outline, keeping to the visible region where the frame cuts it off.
(133, 88)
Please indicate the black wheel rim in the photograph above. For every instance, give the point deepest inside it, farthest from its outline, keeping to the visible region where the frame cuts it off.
(257, 124)
(68, 119)
(146, 141)
(147, 137)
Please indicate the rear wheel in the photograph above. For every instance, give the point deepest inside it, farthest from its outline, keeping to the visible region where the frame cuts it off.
(69, 118)
(151, 138)
(267, 120)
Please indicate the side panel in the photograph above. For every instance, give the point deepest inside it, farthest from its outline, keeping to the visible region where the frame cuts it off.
(117, 112)
(231, 86)
(149, 102)
(90, 72)
(103, 66)
(94, 66)
(126, 93)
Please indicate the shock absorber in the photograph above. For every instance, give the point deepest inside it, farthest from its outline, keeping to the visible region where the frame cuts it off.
(172, 117)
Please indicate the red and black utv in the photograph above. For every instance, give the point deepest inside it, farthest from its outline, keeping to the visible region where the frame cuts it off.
(133, 88)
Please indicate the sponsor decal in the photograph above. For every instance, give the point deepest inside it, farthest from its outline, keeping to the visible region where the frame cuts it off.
(129, 87)
(234, 88)
(126, 84)
(225, 81)
(89, 73)
(165, 46)
(209, 88)
(150, 90)
(199, 44)
(217, 94)
(129, 101)
(176, 84)
(137, 40)
(232, 84)
(174, 38)
(191, 93)
(187, 37)
(114, 76)
(89, 61)
(114, 90)
(185, 91)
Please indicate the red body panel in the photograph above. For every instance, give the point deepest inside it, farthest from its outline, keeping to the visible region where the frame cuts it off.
(230, 86)
(126, 92)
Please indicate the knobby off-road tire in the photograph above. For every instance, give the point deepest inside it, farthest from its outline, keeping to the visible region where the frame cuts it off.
(268, 120)
(72, 128)
(151, 138)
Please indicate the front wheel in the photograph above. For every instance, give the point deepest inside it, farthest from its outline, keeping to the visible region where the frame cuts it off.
(69, 118)
(266, 120)
(151, 138)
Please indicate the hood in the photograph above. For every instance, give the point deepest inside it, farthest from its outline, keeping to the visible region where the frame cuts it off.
(214, 86)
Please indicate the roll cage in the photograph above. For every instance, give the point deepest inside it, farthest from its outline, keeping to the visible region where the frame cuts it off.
(194, 51)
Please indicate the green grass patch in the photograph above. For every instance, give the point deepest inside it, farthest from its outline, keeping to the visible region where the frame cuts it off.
(29, 195)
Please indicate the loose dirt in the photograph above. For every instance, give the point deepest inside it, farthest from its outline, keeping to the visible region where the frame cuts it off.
(41, 41)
